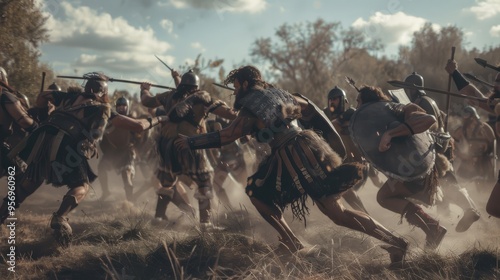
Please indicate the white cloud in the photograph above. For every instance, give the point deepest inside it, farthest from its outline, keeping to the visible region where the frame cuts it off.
(235, 6)
(397, 28)
(111, 43)
(485, 9)
(167, 25)
(495, 31)
(198, 46)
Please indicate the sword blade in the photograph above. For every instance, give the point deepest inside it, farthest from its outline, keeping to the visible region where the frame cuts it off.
(163, 63)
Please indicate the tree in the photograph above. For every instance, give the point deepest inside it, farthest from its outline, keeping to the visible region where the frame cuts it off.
(22, 31)
(310, 58)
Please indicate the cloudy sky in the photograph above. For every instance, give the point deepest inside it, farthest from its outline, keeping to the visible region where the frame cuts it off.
(121, 37)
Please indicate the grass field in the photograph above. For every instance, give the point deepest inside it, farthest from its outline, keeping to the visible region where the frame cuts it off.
(116, 240)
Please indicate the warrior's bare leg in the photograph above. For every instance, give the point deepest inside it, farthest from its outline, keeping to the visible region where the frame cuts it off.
(458, 195)
(359, 221)
(127, 176)
(275, 218)
(392, 196)
(220, 176)
(102, 170)
(352, 198)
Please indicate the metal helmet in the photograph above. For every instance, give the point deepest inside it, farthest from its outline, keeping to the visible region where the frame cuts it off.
(96, 84)
(122, 101)
(338, 92)
(190, 79)
(54, 87)
(3, 75)
(23, 98)
(470, 111)
(417, 80)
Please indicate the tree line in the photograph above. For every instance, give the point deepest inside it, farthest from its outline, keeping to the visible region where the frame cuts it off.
(310, 58)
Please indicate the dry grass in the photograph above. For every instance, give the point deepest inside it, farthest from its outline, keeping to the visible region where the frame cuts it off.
(126, 246)
(117, 241)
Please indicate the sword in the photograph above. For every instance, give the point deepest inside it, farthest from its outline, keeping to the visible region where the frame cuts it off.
(163, 63)
(402, 84)
(485, 64)
(223, 86)
(115, 80)
(476, 79)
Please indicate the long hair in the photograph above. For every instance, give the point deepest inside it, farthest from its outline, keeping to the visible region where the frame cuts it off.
(369, 94)
(248, 73)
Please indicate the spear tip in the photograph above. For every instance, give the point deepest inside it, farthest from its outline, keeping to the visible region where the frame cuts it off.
(480, 61)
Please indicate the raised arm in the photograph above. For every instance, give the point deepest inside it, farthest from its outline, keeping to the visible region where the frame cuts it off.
(147, 99)
(465, 87)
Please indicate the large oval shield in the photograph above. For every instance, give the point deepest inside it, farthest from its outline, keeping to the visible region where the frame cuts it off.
(408, 158)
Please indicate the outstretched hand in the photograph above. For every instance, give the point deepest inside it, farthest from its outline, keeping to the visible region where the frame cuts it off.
(385, 142)
(181, 142)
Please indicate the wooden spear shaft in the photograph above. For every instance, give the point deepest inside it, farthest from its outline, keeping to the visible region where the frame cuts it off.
(448, 99)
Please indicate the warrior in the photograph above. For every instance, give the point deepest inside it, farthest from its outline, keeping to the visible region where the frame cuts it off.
(58, 151)
(117, 146)
(337, 103)
(492, 106)
(12, 112)
(475, 147)
(339, 112)
(186, 107)
(301, 163)
(453, 192)
(411, 174)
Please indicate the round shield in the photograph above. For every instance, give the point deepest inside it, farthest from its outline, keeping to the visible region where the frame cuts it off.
(409, 157)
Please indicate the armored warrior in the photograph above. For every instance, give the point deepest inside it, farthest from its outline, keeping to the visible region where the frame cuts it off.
(301, 163)
(339, 113)
(58, 151)
(475, 147)
(453, 192)
(491, 106)
(118, 152)
(404, 153)
(186, 107)
(12, 112)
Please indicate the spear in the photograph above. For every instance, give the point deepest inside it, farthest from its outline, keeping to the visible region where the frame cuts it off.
(352, 83)
(116, 80)
(485, 64)
(402, 84)
(448, 98)
(476, 79)
(223, 86)
(163, 63)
